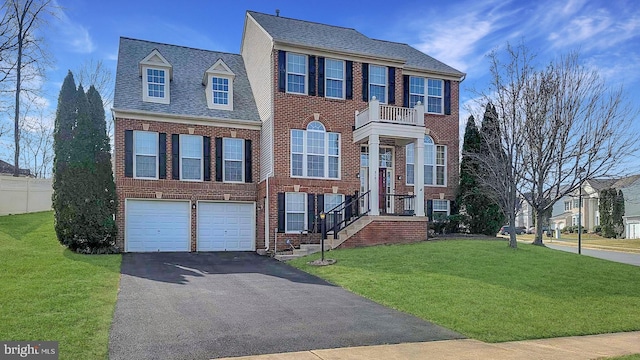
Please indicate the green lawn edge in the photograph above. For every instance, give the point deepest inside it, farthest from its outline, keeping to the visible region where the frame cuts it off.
(53, 294)
(485, 290)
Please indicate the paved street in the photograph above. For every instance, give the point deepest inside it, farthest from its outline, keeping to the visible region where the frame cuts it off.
(210, 305)
(617, 256)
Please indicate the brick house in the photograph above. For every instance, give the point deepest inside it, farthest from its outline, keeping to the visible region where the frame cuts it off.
(218, 151)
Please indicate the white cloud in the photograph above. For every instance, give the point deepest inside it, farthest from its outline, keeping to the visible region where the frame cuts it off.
(73, 34)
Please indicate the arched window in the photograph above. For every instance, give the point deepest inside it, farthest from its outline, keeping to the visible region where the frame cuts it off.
(315, 152)
(434, 163)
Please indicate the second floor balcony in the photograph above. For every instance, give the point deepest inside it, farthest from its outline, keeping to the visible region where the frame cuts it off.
(388, 120)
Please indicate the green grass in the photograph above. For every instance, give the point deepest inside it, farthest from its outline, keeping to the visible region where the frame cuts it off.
(488, 291)
(625, 357)
(51, 293)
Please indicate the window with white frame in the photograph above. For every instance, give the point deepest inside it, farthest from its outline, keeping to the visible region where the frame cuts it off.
(435, 163)
(567, 205)
(440, 209)
(233, 158)
(156, 74)
(574, 220)
(155, 83)
(145, 163)
(296, 212)
(378, 82)
(576, 203)
(434, 96)
(220, 88)
(334, 78)
(416, 90)
(296, 73)
(191, 157)
(315, 152)
(330, 202)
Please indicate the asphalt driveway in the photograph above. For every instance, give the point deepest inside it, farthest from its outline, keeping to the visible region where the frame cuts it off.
(209, 305)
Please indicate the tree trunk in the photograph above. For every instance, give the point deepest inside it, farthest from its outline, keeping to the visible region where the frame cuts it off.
(16, 126)
(513, 243)
(538, 238)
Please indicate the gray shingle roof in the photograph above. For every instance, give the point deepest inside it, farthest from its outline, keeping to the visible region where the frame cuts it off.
(187, 92)
(328, 37)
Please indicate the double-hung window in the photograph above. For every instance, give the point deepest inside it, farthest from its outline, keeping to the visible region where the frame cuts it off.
(334, 78)
(431, 89)
(435, 164)
(330, 202)
(434, 96)
(296, 73)
(155, 83)
(220, 88)
(296, 215)
(567, 205)
(315, 152)
(145, 164)
(440, 209)
(233, 157)
(191, 157)
(378, 82)
(416, 90)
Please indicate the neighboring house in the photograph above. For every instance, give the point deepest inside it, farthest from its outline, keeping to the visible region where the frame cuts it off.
(218, 151)
(8, 169)
(566, 211)
(525, 216)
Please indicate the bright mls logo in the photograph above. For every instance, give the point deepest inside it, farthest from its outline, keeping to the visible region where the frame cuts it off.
(44, 350)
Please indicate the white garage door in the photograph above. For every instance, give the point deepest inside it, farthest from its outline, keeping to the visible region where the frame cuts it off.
(157, 225)
(226, 226)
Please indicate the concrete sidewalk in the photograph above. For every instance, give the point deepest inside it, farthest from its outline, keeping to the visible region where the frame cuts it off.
(566, 348)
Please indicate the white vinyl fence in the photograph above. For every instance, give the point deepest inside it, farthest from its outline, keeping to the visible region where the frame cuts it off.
(19, 195)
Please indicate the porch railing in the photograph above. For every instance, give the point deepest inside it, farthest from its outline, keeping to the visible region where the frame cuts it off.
(397, 204)
(377, 112)
(346, 213)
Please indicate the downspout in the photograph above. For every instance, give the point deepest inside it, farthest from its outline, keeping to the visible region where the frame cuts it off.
(266, 216)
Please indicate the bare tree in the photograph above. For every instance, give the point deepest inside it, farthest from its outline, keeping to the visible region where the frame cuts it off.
(28, 57)
(557, 126)
(577, 128)
(37, 142)
(94, 72)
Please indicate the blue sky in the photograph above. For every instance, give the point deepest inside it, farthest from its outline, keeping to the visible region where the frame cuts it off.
(459, 33)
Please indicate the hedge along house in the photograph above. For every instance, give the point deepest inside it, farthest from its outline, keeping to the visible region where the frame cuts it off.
(219, 151)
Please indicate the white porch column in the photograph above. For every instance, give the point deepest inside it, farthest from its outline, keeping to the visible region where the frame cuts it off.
(374, 165)
(418, 169)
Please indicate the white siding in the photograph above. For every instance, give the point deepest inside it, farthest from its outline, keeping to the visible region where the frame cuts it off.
(257, 51)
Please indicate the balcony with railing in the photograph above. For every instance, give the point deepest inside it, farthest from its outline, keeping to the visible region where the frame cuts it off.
(394, 120)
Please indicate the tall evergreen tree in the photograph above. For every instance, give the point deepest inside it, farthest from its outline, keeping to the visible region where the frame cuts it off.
(88, 199)
(607, 199)
(63, 134)
(617, 214)
(483, 216)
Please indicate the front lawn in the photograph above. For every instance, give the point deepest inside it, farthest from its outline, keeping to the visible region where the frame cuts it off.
(485, 290)
(50, 293)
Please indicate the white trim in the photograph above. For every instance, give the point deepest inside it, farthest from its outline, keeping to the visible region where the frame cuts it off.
(166, 99)
(344, 80)
(434, 164)
(126, 221)
(241, 160)
(306, 74)
(305, 211)
(182, 136)
(186, 119)
(254, 223)
(157, 140)
(222, 71)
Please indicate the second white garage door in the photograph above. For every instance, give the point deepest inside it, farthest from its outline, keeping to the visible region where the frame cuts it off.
(226, 226)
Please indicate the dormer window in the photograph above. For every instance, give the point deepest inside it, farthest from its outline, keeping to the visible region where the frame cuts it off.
(156, 75)
(218, 82)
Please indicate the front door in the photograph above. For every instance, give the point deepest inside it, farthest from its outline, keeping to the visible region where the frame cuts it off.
(385, 179)
(382, 190)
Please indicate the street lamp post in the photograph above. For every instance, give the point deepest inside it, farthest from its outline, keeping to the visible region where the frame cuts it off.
(324, 234)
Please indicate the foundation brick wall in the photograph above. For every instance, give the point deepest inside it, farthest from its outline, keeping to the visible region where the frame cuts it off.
(177, 189)
(388, 232)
